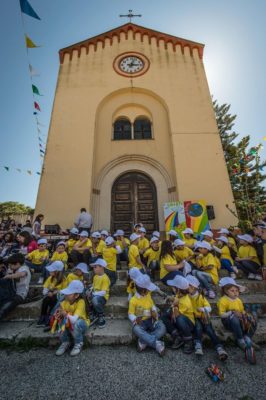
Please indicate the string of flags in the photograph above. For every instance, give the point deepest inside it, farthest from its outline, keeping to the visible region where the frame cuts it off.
(27, 9)
(28, 171)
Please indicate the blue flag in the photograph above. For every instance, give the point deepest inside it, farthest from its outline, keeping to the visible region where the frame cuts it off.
(26, 8)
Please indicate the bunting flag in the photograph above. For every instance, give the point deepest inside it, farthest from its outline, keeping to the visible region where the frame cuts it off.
(28, 171)
(7, 168)
(18, 169)
(35, 90)
(26, 8)
(36, 106)
(264, 138)
(38, 123)
(33, 71)
(29, 43)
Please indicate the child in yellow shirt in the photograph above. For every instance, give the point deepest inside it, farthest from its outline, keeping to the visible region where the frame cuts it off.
(123, 243)
(133, 253)
(38, 259)
(207, 272)
(189, 238)
(143, 243)
(72, 240)
(144, 317)
(60, 253)
(152, 254)
(202, 309)
(82, 249)
(208, 237)
(169, 267)
(73, 311)
(110, 253)
(78, 273)
(225, 256)
(234, 317)
(179, 319)
(247, 258)
(100, 290)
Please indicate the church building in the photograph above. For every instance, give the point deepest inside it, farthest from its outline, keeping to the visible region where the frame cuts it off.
(132, 128)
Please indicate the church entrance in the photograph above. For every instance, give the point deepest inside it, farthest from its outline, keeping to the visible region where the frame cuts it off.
(134, 199)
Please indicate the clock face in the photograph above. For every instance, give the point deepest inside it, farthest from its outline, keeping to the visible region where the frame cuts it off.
(131, 64)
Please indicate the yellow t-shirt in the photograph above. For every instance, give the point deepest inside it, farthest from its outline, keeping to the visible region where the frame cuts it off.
(167, 260)
(109, 255)
(198, 301)
(60, 257)
(233, 243)
(206, 261)
(183, 254)
(52, 284)
(141, 306)
(226, 304)
(100, 247)
(120, 243)
(225, 254)
(101, 282)
(70, 245)
(185, 307)
(152, 255)
(86, 244)
(78, 308)
(73, 277)
(143, 243)
(247, 251)
(189, 242)
(38, 257)
(133, 253)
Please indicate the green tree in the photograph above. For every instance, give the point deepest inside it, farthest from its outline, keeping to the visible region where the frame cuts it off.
(12, 207)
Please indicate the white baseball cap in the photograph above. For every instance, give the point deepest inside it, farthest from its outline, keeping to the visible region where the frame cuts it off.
(96, 235)
(246, 238)
(55, 266)
(82, 267)
(154, 239)
(204, 245)
(100, 261)
(188, 230)
(104, 232)
(172, 233)
(223, 239)
(193, 281)
(197, 245)
(61, 243)
(134, 237)
(74, 231)
(223, 231)
(84, 234)
(119, 232)
(142, 229)
(156, 234)
(134, 272)
(138, 224)
(75, 286)
(207, 233)
(179, 242)
(145, 282)
(230, 281)
(109, 240)
(42, 241)
(179, 282)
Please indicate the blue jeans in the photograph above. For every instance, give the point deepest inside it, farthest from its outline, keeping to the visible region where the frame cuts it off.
(124, 255)
(226, 264)
(249, 267)
(182, 324)
(39, 268)
(78, 332)
(170, 276)
(112, 276)
(149, 333)
(154, 265)
(204, 278)
(98, 303)
(200, 327)
(233, 324)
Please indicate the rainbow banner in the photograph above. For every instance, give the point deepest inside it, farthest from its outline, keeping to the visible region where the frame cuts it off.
(180, 215)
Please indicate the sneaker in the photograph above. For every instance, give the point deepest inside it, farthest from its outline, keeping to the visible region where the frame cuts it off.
(40, 281)
(242, 344)
(62, 349)
(178, 342)
(258, 277)
(76, 349)
(188, 347)
(233, 275)
(141, 346)
(222, 353)
(41, 322)
(211, 294)
(160, 347)
(101, 322)
(235, 269)
(251, 276)
(198, 349)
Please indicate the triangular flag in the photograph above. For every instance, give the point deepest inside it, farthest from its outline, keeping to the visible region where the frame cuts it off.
(35, 113)
(38, 123)
(26, 8)
(35, 90)
(36, 106)
(264, 138)
(29, 43)
(29, 171)
(38, 173)
(33, 71)
(7, 168)
(18, 169)
(41, 151)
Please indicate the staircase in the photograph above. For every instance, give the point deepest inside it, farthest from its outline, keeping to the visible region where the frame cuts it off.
(20, 325)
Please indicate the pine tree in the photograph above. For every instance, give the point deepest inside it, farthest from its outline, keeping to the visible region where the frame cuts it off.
(245, 169)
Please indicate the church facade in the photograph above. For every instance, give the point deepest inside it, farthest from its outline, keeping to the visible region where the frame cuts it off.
(132, 128)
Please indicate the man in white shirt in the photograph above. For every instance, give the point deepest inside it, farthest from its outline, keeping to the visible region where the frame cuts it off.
(84, 221)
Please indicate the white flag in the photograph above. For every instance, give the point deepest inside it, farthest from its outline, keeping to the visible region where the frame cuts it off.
(33, 72)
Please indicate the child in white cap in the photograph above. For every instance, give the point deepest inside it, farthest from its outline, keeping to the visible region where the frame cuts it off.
(207, 272)
(38, 259)
(208, 237)
(247, 259)
(153, 256)
(179, 319)
(143, 243)
(123, 243)
(133, 274)
(60, 253)
(144, 317)
(233, 315)
(73, 310)
(110, 253)
(182, 251)
(202, 310)
(82, 249)
(134, 259)
(100, 290)
(169, 267)
(72, 240)
(189, 238)
(231, 241)
(227, 262)
(78, 273)
(172, 235)
(51, 287)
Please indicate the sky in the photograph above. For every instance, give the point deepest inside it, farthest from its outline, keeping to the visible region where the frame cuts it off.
(233, 32)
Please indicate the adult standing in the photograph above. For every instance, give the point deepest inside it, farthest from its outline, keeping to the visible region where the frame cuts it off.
(36, 229)
(84, 221)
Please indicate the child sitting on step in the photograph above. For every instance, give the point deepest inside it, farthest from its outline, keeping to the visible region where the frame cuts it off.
(169, 267)
(225, 256)
(247, 259)
(144, 317)
(123, 243)
(60, 253)
(234, 317)
(100, 290)
(38, 259)
(78, 273)
(143, 243)
(152, 255)
(110, 253)
(72, 240)
(189, 238)
(134, 254)
(72, 313)
(202, 309)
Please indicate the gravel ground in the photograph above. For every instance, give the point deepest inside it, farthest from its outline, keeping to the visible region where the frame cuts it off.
(121, 373)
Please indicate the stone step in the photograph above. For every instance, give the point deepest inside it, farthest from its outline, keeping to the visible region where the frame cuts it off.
(116, 332)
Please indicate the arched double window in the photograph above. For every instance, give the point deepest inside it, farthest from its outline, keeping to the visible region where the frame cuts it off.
(140, 129)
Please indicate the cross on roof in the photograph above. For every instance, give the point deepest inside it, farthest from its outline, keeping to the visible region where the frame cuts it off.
(130, 15)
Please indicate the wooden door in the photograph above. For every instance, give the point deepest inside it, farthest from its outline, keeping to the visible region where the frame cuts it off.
(134, 199)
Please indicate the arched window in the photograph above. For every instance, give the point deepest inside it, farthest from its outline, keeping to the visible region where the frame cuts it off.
(142, 128)
(122, 129)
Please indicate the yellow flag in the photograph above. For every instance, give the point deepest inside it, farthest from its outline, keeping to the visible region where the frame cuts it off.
(264, 138)
(29, 171)
(29, 43)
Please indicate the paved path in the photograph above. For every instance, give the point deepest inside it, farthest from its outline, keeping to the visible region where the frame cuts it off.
(110, 373)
